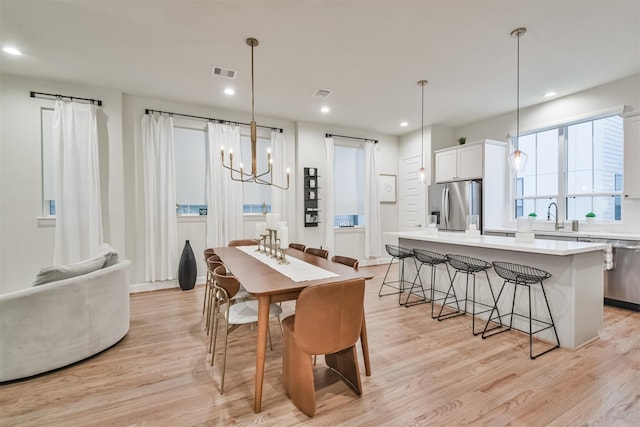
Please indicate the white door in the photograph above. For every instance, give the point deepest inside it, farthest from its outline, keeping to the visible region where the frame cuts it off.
(412, 195)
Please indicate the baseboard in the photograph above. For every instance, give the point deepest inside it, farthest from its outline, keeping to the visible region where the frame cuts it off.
(135, 288)
(374, 261)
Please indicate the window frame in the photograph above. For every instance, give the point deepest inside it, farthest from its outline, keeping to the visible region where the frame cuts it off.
(517, 203)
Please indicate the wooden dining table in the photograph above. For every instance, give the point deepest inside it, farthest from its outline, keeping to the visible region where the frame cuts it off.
(269, 286)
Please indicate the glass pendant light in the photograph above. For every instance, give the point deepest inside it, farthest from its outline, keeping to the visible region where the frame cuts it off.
(422, 172)
(518, 158)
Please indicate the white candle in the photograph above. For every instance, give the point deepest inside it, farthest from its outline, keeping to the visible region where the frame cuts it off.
(283, 233)
(472, 227)
(280, 224)
(269, 220)
(274, 220)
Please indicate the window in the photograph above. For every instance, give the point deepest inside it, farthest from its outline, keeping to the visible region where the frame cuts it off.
(349, 185)
(48, 172)
(578, 166)
(191, 172)
(257, 198)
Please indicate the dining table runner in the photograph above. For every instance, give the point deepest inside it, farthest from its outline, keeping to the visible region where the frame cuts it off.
(297, 270)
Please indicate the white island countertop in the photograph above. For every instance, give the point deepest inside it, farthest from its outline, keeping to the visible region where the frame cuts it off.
(547, 247)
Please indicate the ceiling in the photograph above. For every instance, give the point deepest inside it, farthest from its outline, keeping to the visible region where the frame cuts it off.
(369, 53)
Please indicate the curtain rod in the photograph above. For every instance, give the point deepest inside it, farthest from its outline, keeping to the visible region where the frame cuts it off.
(329, 135)
(91, 100)
(209, 119)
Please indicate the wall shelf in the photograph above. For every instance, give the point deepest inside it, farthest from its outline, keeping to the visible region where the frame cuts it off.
(311, 218)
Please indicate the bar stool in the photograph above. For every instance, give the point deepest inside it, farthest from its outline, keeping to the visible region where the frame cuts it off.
(467, 266)
(400, 254)
(432, 259)
(522, 275)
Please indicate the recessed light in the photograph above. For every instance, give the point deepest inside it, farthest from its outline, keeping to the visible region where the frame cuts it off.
(229, 91)
(12, 51)
(404, 124)
(550, 94)
(325, 110)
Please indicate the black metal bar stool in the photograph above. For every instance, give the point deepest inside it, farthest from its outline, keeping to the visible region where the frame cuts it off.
(400, 254)
(467, 266)
(522, 275)
(432, 259)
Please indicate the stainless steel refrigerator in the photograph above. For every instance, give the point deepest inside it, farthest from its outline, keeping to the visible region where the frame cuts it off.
(453, 201)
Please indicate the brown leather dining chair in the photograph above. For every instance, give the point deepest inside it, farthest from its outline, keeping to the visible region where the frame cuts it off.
(243, 242)
(298, 246)
(327, 321)
(351, 262)
(213, 262)
(322, 253)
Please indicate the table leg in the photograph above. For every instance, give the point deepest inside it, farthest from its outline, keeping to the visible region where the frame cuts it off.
(365, 347)
(261, 348)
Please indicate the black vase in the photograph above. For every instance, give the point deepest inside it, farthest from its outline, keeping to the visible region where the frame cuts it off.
(187, 268)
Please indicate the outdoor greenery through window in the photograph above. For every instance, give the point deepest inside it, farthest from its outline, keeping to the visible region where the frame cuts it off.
(578, 166)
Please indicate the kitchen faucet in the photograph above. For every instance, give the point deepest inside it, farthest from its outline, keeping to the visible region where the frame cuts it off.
(557, 226)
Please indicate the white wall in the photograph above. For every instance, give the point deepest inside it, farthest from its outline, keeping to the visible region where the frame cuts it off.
(26, 242)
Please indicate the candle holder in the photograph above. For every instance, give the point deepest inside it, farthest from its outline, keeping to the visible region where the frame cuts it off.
(283, 259)
(264, 244)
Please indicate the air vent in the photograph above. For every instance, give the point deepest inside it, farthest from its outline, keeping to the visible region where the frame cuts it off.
(223, 72)
(321, 93)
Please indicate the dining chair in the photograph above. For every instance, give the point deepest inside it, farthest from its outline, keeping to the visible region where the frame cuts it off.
(322, 253)
(213, 262)
(351, 262)
(243, 242)
(207, 253)
(327, 321)
(364, 342)
(298, 246)
(225, 287)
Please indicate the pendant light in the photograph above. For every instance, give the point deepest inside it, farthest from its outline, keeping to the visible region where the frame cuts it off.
(518, 159)
(254, 176)
(422, 172)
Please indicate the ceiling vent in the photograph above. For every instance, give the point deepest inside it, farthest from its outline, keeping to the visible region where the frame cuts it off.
(223, 72)
(321, 93)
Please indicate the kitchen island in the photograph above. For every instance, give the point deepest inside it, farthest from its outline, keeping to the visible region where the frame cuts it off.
(575, 289)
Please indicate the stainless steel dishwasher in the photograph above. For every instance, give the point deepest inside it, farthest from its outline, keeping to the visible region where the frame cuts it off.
(622, 282)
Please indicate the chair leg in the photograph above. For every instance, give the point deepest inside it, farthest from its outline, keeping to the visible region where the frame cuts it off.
(224, 355)
(297, 374)
(345, 363)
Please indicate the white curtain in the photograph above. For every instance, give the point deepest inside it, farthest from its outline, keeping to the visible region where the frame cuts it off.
(78, 231)
(329, 195)
(371, 201)
(279, 156)
(224, 196)
(161, 235)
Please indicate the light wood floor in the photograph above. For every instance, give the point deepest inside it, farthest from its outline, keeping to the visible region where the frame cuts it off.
(425, 372)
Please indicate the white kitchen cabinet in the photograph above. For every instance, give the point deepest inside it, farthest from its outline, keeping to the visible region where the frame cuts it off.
(632, 156)
(460, 163)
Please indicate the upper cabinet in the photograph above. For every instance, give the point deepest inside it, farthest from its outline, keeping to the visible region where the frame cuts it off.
(460, 163)
(632, 156)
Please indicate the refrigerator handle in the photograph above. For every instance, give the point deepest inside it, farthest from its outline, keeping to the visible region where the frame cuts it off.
(445, 206)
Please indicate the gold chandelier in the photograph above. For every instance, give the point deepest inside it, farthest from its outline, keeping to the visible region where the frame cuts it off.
(254, 176)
